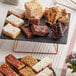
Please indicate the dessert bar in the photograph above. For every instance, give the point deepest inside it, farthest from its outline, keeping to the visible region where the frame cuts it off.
(29, 61)
(45, 72)
(17, 12)
(27, 72)
(39, 30)
(52, 14)
(32, 21)
(15, 21)
(33, 9)
(27, 31)
(11, 31)
(58, 30)
(7, 71)
(45, 62)
(64, 17)
(13, 61)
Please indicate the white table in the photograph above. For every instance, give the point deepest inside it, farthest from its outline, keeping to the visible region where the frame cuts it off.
(6, 46)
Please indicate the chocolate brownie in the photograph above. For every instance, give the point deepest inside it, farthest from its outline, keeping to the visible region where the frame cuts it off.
(33, 21)
(58, 30)
(7, 71)
(27, 31)
(40, 30)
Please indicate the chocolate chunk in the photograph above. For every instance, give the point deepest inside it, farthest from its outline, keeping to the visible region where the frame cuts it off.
(27, 31)
(40, 30)
(58, 30)
(33, 21)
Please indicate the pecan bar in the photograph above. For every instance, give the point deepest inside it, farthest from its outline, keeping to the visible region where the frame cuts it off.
(7, 71)
(12, 60)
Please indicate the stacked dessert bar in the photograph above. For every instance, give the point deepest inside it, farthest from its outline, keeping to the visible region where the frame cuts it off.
(27, 66)
(13, 22)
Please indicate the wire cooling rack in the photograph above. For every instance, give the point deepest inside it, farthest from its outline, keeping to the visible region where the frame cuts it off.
(54, 46)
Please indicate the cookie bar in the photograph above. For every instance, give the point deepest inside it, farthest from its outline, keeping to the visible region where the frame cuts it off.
(11, 31)
(15, 21)
(27, 31)
(45, 72)
(64, 17)
(13, 61)
(40, 30)
(45, 62)
(29, 61)
(33, 9)
(7, 71)
(17, 12)
(27, 72)
(52, 14)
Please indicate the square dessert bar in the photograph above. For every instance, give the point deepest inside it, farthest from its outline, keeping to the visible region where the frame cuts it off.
(11, 31)
(45, 72)
(32, 21)
(39, 30)
(15, 21)
(45, 62)
(58, 30)
(13, 61)
(33, 9)
(27, 31)
(64, 17)
(29, 61)
(17, 12)
(27, 72)
(52, 14)
(7, 71)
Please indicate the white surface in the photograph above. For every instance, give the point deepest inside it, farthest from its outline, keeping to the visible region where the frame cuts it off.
(6, 46)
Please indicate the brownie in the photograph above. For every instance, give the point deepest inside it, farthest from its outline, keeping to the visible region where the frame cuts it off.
(14, 62)
(58, 30)
(1, 74)
(40, 30)
(27, 72)
(33, 21)
(29, 61)
(7, 71)
(27, 31)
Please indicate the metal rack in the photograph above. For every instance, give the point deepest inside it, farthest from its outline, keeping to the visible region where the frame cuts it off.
(35, 52)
